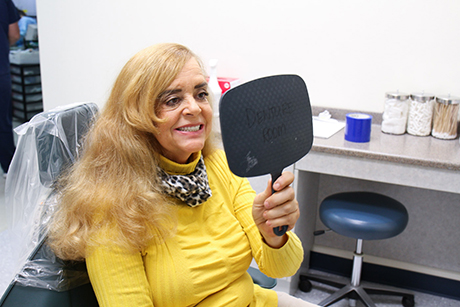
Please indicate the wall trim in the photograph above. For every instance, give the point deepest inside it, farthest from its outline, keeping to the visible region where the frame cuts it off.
(417, 268)
(396, 277)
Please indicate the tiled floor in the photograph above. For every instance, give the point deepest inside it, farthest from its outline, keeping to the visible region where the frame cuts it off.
(5, 260)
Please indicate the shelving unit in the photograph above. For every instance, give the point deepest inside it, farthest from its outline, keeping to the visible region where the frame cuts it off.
(27, 91)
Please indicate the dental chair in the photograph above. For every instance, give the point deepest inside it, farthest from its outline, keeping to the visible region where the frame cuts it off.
(47, 146)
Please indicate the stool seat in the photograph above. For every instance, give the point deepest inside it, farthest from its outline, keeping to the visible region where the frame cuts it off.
(364, 215)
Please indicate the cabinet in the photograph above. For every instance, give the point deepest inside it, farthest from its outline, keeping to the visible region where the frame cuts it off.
(26, 91)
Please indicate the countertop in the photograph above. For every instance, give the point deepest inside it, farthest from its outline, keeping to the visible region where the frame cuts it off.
(407, 149)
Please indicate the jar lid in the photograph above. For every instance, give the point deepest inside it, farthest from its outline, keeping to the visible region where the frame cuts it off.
(422, 97)
(448, 99)
(396, 95)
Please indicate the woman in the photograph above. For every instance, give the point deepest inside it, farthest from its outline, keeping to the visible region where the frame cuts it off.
(154, 208)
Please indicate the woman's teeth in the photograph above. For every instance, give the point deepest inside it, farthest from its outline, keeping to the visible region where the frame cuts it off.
(190, 129)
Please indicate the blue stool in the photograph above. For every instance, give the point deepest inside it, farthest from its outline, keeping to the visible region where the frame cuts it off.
(363, 216)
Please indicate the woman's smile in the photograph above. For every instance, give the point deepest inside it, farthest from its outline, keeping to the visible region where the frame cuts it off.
(191, 128)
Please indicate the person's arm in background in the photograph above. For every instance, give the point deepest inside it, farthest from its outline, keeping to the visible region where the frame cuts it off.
(13, 33)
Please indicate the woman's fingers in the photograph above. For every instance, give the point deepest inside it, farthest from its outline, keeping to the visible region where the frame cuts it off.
(283, 181)
(277, 209)
(285, 214)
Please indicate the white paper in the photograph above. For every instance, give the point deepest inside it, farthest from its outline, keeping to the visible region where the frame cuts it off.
(325, 128)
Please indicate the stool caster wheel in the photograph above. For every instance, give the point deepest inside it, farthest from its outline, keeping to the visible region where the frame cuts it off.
(408, 301)
(304, 284)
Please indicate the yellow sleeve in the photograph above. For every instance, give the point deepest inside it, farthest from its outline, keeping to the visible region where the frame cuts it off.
(118, 277)
(284, 261)
(276, 263)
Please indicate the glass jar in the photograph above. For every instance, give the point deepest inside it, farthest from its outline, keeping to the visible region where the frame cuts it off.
(445, 117)
(420, 114)
(394, 118)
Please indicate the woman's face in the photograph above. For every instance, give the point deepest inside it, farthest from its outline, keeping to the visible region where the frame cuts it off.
(187, 113)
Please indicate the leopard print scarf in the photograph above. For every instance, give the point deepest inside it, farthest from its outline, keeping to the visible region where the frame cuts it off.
(193, 188)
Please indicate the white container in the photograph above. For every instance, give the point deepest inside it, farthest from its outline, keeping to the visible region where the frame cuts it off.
(420, 114)
(394, 118)
(29, 56)
(445, 116)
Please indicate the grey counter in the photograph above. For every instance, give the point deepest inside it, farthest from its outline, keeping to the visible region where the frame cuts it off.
(424, 151)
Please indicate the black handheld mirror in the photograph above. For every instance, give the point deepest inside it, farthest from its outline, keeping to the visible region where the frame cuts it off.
(266, 126)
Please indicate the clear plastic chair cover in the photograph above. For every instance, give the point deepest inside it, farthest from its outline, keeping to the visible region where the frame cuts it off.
(47, 144)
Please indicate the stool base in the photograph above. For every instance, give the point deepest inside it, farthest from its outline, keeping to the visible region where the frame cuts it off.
(354, 289)
(354, 292)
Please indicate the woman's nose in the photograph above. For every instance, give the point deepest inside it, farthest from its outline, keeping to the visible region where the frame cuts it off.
(192, 106)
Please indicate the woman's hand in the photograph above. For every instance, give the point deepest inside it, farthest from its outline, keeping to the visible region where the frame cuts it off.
(274, 210)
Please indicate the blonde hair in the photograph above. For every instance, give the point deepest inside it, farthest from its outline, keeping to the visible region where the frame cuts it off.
(114, 186)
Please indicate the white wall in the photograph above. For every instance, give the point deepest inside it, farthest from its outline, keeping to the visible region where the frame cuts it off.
(349, 52)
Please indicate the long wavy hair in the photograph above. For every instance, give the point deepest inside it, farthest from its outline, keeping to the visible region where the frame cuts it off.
(114, 185)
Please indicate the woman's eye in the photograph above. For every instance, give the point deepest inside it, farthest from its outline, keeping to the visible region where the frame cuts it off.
(203, 95)
(173, 102)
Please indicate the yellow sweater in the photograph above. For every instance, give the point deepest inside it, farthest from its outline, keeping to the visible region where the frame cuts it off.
(206, 262)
